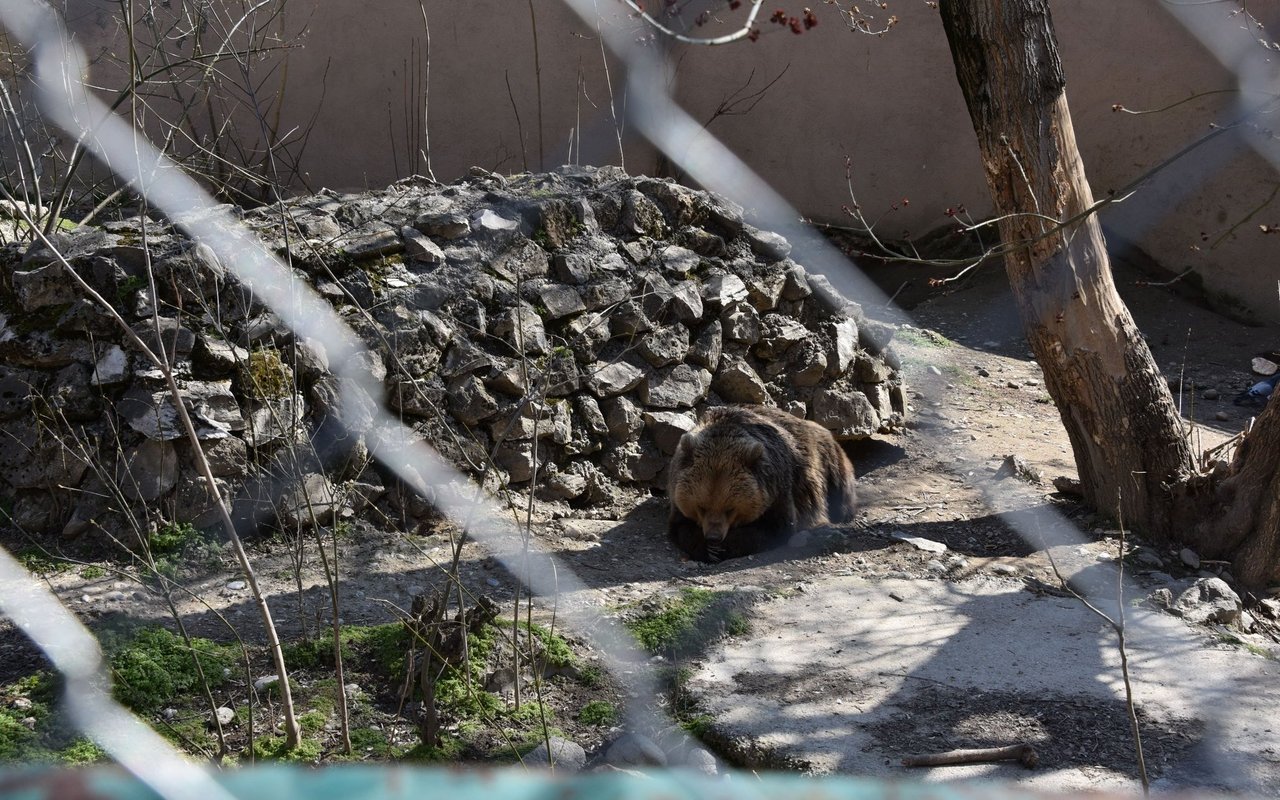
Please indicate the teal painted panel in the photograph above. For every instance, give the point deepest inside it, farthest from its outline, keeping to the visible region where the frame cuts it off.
(421, 783)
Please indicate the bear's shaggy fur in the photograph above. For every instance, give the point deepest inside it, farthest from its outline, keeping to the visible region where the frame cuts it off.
(748, 477)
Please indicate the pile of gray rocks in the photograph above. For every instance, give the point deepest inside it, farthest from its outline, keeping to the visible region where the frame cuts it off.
(555, 332)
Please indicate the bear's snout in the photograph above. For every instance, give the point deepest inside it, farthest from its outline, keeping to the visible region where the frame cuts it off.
(715, 529)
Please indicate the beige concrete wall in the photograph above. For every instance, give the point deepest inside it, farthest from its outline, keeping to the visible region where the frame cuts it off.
(890, 103)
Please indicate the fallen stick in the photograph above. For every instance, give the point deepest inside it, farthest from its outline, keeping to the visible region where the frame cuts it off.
(1024, 754)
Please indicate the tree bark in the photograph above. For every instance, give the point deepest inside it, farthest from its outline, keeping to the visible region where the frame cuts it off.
(1128, 439)
(1234, 513)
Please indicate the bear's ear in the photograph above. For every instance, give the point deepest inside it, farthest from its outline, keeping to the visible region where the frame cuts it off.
(684, 450)
(752, 452)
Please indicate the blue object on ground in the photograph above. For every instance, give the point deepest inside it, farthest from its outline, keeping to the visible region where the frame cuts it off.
(1257, 394)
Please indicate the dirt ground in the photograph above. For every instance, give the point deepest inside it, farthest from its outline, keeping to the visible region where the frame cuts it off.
(977, 397)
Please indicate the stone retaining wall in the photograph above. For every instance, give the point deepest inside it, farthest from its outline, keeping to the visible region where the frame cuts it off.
(562, 328)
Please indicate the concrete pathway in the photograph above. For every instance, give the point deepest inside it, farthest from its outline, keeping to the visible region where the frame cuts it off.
(853, 674)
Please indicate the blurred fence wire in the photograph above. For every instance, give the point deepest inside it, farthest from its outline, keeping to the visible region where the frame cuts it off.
(65, 102)
(58, 69)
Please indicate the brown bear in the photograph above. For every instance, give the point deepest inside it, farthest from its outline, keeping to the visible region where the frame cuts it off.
(748, 477)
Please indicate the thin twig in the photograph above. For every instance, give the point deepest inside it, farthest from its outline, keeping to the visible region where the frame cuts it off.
(1243, 220)
(292, 730)
(537, 75)
(1170, 282)
(426, 94)
(1118, 627)
(737, 104)
(1114, 198)
(608, 82)
(743, 32)
(1024, 754)
(524, 154)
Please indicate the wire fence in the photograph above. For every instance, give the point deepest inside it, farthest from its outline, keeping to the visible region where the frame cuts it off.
(72, 649)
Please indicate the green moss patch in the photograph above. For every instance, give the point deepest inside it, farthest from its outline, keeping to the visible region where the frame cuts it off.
(272, 748)
(382, 645)
(598, 712)
(684, 624)
(265, 377)
(171, 538)
(181, 547)
(152, 667)
(32, 730)
(922, 337)
(38, 561)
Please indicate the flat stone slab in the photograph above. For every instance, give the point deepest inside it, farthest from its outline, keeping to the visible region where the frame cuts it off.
(839, 677)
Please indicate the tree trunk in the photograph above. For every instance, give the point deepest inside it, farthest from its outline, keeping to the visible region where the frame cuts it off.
(1234, 513)
(1125, 431)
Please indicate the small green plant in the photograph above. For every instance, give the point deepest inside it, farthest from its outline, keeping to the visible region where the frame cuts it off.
(39, 562)
(670, 626)
(598, 712)
(128, 286)
(17, 741)
(960, 375)
(461, 697)
(265, 377)
(698, 726)
(81, 752)
(171, 538)
(177, 545)
(736, 624)
(321, 698)
(591, 676)
(449, 750)
(460, 690)
(378, 270)
(310, 653)
(684, 707)
(684, 624)
(153, 665)
(384, 645)
(312, 722)
(35, 731)
(530, 713)
(922, 337)
(272, 748)
(371, 743)
(92, 572)
(1231, 638)
(555, 650)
